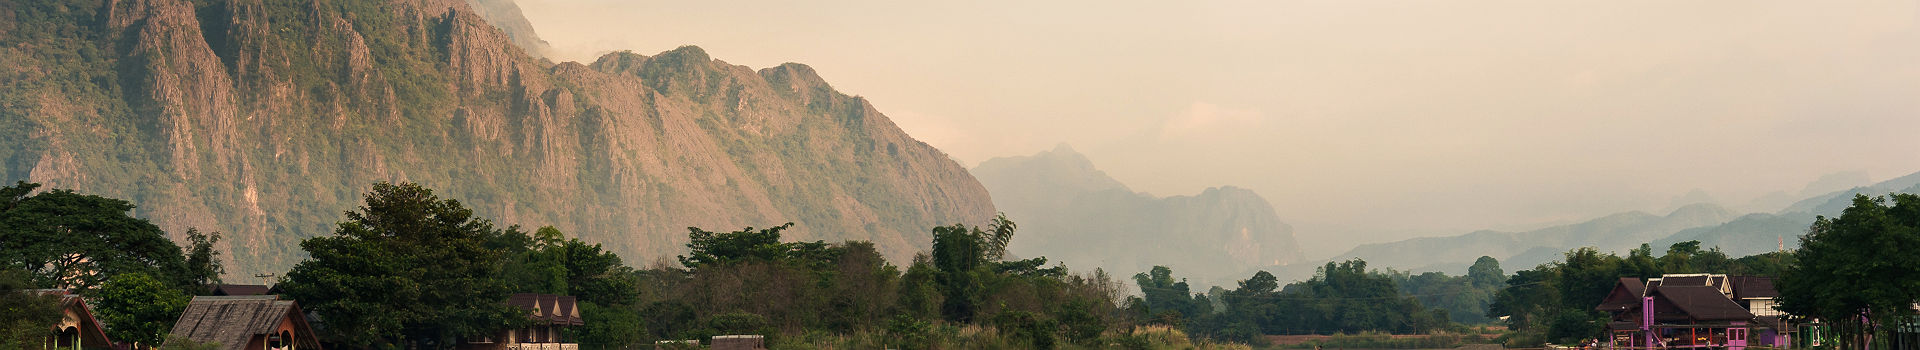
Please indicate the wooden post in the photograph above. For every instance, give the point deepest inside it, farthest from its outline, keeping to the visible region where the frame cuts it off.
(1646, 320)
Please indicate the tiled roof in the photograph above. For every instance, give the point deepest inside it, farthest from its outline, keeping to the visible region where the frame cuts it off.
(1702, 303)
(1754, 287)
(1625, 295)
(548, 308)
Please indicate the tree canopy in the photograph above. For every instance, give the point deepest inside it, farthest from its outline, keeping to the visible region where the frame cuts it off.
(140, 308)
(405, 269)
(1860, 264)
(63, 238)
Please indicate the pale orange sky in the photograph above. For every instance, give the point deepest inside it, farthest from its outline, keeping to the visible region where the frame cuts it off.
(1361, 121)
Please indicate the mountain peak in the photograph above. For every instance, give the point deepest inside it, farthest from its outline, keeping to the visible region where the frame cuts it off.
(1064, 149)
(1080, 216)
(627, 152)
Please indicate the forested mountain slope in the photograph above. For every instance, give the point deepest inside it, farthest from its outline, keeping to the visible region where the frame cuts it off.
(268, 119)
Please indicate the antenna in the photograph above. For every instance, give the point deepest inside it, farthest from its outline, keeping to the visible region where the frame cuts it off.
(264, 277)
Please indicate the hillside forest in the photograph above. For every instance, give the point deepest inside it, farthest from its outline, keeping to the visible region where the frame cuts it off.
(442, 275)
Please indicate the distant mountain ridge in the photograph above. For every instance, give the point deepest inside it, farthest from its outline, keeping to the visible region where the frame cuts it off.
(1071, 212)
(1712, 225)
(266, 120)
(1616, 232)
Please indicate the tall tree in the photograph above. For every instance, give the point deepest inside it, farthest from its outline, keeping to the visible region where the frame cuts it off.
(959, 255)
(1858, 265)
(407, 269)
(1168, 300)
(1485, 272)
(72, 240)
(1000, 232)
(203, 261)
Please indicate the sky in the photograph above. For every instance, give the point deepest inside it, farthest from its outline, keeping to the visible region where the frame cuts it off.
(1361, 121)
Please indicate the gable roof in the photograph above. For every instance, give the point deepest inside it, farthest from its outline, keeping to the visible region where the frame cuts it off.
(91, 331)
(548, 308)
(1702, 303)
(1745, 287)
(234, 320)
(1625, 295)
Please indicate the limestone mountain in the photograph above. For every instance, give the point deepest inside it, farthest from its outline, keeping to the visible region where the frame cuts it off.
(1069, 211)
(267, 119)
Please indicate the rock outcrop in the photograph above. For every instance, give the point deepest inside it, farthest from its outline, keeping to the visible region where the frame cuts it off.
(265, 120)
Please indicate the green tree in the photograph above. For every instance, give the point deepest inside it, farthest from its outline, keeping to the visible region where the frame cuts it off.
(1771, 264)
(203, 261)
(1485, 273)
(407, 269)
(959, 256)
(1164, 296)
(747, 245)
(609, 328)
(63, 238)
(140, 308)
(1860, 264)
(1000, 232)
(24, 314)
(549, 262)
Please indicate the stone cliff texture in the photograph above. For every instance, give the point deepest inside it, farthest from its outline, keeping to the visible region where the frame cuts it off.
(265, 120)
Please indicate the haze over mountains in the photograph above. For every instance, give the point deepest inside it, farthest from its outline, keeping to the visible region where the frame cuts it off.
(1070, 211)
(266, 120)
(1711, 224)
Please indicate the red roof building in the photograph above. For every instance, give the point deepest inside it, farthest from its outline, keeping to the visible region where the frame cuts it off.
(1694, 311)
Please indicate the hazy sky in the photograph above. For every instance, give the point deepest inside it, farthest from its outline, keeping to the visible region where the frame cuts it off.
(1361, 121)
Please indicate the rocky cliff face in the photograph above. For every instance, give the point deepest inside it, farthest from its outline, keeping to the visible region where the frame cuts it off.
(265, 120)
(1072, 212)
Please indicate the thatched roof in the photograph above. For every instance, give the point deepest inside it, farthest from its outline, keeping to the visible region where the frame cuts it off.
(232, 321)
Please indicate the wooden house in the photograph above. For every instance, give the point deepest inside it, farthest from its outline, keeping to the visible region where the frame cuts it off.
(78, 329)
(550, 314)
(257, 322)
(1693, 311)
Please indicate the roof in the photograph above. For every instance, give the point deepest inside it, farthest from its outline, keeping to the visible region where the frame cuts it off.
(234, 320)
(1702, 303)
(93, 333)
(1746, 287)
(548, 308)
(1625, 295)
(239, 289)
